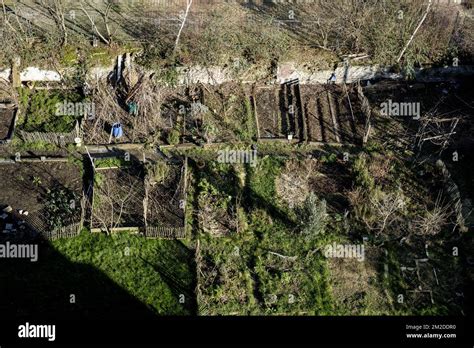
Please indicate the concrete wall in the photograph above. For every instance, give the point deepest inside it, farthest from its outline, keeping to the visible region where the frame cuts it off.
(285, 72)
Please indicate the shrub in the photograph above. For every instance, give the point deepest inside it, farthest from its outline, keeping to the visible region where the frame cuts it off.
(159, 172)
(60, 205)
(173, 137)
(331, 158)
(363, 178)
(313, 216)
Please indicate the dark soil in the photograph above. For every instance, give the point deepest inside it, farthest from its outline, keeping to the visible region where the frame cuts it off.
(164, 200)
(268, 113)
(123, 189)
(24, 185)
(320, 125)
(6, 122)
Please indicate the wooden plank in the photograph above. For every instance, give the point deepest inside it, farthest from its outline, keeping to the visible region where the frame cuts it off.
(333, 116)
(15, 74)
(255, 114)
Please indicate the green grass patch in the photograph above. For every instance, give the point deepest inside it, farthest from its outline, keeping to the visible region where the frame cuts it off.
(40, 110)
(268, 267)
(122, 276)
(111, 162)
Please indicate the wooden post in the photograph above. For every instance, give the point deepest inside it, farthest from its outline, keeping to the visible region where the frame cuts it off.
(254, 99)
(185, 185)
(15, 74)
(333, 116)
(145, 203)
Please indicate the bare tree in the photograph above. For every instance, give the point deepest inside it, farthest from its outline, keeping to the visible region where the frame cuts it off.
(6, 20)
(188, 7)
(56, 9)
(415, 31)
(117, 199)
(107, 38)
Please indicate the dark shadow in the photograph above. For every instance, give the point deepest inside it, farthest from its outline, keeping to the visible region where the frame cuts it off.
(42, 290)
(282, 97)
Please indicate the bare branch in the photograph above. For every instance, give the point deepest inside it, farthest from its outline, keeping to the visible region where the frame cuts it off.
(188, 7)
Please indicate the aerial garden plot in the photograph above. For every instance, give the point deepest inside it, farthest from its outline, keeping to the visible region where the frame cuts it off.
(144, 197)
(126, 111)
(312, 113)
(258, 256)
(236, 158)
(50, 116)
(209, 114)
(255, 257)
(118, 194)
(139, 109)
(333, 114)
(41, 198)
(166, 198)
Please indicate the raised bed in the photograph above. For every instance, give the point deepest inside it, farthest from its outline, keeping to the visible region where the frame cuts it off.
(137, 197)
(318, 114)
(118, 199)
(270, 124)
(166, 199)
(40, 188)
(280, 113)
(332, 114)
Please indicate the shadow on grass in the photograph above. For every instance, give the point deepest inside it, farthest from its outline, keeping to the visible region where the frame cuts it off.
(43, 290)
(179, 281)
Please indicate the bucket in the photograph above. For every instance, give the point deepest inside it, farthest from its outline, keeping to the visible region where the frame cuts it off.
(117, 130)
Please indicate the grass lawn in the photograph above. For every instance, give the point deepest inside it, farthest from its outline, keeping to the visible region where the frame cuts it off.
(112, 277)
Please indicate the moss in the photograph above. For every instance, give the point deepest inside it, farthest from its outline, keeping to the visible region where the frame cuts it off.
(69, 56)
(40, 111)
(173, 137)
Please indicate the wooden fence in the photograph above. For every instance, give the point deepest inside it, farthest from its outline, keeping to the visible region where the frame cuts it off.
(165, 232)
(69, 231)
(162, 232)
(63, 232)
(60, 139)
